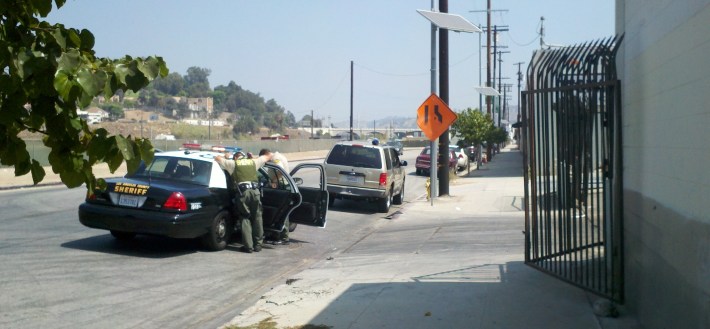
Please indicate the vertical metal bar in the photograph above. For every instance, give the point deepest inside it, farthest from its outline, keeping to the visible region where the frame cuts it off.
(526, 183)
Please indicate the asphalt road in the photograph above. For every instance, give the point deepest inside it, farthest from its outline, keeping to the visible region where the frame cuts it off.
(56, 273)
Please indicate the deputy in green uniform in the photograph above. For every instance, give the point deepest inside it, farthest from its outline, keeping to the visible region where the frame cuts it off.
(249, 208)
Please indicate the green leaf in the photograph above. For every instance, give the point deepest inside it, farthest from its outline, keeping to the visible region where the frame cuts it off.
(132, 165)
(150, 67)
(22, 167)
(37, 172)
(69, 61)
(129, 75)
(87, 40)
(164, 71)
(75, 123)
(101, 184)
(63, 83)
(121, 71)
(74, 38)
(125, 146)
(146, 150)
(59, 37)
(43, 7)
(85, 100)
(22, 58)
(92, 83)
(99, 146)
(72, 178)
(115, 162)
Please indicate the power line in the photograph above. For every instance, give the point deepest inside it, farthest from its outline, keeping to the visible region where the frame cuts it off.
(320, 107)
(510, 36)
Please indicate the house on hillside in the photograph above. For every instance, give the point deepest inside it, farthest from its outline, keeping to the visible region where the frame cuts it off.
(93, 115)
(199, 107)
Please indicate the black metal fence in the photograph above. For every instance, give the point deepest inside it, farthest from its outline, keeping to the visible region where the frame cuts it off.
(571, 140)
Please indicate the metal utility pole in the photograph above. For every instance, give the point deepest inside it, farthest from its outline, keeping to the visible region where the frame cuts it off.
(520, 79)
(351, 101)
(311, 124)
(433, 152)
(480, 79)
(488, 54)
(500, 83)
(444, 95)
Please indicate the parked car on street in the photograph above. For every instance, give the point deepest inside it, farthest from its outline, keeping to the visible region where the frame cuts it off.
(365, 171)
(462, 161)
(186, 194)
(423, 164)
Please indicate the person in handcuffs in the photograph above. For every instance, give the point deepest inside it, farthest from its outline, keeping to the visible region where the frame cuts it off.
(248, 205)
(280, 238)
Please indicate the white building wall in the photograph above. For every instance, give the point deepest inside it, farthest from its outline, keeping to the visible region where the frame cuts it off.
(664, 67)
(666, 83)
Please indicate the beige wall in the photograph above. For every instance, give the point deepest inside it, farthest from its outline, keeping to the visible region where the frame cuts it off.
(664, 66)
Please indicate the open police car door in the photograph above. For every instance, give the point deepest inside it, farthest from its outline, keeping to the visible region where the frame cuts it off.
(310, 179)
(302, 198)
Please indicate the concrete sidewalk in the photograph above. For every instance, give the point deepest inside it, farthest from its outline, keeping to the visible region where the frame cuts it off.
(456, 264)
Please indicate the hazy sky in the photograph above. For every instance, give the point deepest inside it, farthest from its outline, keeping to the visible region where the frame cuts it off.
(298, 52)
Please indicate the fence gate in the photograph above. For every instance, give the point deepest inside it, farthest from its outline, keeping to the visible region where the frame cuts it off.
(571, 140)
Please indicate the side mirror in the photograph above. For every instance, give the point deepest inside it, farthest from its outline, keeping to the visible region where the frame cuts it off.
(298, 180)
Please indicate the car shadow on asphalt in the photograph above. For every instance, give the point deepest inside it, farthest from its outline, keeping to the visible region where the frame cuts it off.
(355, 207)
(141, 246)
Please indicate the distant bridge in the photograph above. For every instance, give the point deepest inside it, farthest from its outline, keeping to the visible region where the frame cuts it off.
(365, 131)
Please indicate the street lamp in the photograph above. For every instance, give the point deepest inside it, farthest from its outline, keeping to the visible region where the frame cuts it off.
(449, 22)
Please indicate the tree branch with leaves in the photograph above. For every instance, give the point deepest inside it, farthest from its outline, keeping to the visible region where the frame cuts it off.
(49, 71)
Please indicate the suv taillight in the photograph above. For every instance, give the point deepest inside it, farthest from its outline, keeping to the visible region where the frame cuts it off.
(176, 201)
(383, 179)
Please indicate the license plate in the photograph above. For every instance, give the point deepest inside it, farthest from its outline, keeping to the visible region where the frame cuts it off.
(352, 179)
(128, 201)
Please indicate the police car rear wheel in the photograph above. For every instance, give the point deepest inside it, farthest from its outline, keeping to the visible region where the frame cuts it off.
(218, 235)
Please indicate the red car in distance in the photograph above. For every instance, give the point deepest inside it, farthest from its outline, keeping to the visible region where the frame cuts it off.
(423, 164)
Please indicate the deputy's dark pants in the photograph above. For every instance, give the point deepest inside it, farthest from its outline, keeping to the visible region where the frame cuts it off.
(249, 211)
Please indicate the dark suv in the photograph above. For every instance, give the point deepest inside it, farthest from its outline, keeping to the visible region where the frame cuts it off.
(365, 171)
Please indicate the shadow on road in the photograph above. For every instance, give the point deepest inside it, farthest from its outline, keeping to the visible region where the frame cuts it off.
(355, 207)
(140, 246)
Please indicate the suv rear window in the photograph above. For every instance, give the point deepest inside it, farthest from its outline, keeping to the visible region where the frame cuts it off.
(355, 156)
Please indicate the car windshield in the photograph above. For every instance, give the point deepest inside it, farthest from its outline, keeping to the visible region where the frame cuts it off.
(176, 169)
(356, 156)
